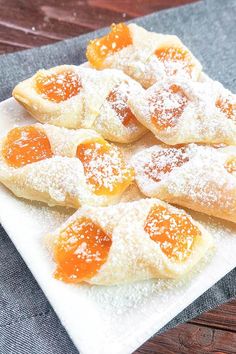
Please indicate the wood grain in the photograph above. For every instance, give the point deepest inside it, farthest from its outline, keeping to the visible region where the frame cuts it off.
(212, 332)
(223, 317)
(190, 338)
(30, 23)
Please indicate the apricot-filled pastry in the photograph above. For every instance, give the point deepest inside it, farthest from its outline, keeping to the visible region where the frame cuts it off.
(127, 242)
(62, 167)
(78, 97)
(181, 111)
(201, 178)
(146, 56)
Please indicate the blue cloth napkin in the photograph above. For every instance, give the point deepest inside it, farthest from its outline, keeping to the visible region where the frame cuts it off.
(28, 324)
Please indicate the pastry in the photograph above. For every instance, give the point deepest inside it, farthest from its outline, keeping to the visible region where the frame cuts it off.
(201, 178)
(145, 56)
(127, 242)
(79, 97)
(180, 111)
(62, 167)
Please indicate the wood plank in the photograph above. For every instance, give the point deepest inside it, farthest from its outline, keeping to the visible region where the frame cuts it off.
(84, 16)
(14, 37)
(6, 48)
(37, 22)
(138, 7)
(223, 317)
(220, 323)
(191, 339)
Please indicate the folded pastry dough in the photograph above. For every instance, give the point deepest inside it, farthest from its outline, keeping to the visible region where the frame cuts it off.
(181, 111)
(146, 56)
(62, 167)
(127, 242)
(79, 97)
(201, 178)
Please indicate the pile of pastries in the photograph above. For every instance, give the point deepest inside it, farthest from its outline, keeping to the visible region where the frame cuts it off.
(136, 85)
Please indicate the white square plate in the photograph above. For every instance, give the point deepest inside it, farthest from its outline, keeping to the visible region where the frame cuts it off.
(119, 318)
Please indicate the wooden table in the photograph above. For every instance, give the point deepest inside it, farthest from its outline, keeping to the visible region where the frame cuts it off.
(29, 23)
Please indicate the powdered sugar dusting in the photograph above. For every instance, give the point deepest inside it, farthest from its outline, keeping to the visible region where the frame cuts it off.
(49, 218)
(58, 87)
(66, 179)
(118, 98)
(167, 106)
(164, 161)
(178, 175)
(80, 250)
(227, 105)
(130, 298)
(103, 169)
(126, 314)
(125, 299)
(182, 111)
(176, 61)
(153, 57)
(174, 232)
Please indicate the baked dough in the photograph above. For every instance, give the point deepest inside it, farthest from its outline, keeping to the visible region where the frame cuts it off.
(201, 178)
(180, 111)
(63, 179)
(79, 97)
(138, 59)
(131, 253)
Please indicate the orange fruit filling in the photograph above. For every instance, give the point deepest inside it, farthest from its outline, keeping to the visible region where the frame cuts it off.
(230, 165)
(174, 59)
(25, 145)
(58, 87)
(167, 106)
(174, 232)
(99, 49)
(228, 108)
(80, 251)
(164, 161)
(105, 169)
(118, 99)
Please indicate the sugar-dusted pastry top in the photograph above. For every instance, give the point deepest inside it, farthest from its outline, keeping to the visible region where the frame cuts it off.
(127, 242)
(180, 111)
(62, 167)
(202, 178)
(135, 81)
(79, 97)
(145, 56)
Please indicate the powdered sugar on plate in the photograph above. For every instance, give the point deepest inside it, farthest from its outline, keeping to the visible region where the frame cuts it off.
(120, 318)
